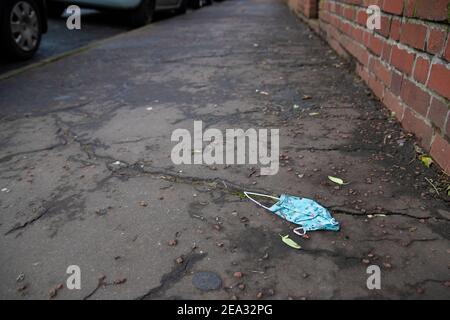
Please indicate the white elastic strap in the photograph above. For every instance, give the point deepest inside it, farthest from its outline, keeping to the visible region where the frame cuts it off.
(297, 232)
(260, 195)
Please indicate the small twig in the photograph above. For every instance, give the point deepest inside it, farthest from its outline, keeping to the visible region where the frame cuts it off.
(257, 271)
(429, 181)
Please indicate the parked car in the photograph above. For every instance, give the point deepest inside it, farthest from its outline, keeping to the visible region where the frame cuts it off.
(22, 23)
(140, 12)
(197, 4)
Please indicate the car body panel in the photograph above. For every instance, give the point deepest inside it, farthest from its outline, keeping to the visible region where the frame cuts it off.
(120, 4)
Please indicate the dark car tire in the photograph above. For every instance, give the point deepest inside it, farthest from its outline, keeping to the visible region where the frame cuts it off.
(143, 14)
(9, 46)
(183, 7)
(196, 4)
(55, 9)
(208, 2)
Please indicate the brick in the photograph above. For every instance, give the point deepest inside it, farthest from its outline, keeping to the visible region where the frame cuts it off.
(387, 49)
(346, 28)
(362, 72)
(377, 87)
(438, 113)
(415, 97)
(361, 17)
(440, 80)
(396, 82)
(393, 6)
(447, 129)
(376, 45)
(408, 10)
(419, 127)
(395, 29)
(310, 8)
(338, 9)
(373, 2)
(366, 37)
(380, 71)
(349, 13)
(357, 34)
(402, 60)
(361, 54)
(394, 104)
(436, 40)
(385, 26)
(413, 35)
(436, 11)
(421, 69)
(353, 1)
(447, 50)
(440, 151)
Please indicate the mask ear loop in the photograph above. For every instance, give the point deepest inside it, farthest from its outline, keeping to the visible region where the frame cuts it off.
(260, 195)
(297, 232)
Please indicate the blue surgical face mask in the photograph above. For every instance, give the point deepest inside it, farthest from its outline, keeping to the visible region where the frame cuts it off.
(306, 213)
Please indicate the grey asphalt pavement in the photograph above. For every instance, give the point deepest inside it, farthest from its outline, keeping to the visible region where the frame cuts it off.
(87, 179)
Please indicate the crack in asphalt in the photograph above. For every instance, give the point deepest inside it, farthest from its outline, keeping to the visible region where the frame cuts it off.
(171, 278)
(356, 213)
(44, 113)
(103, 284)
(397, 240)
(28, 222)
(11, 156)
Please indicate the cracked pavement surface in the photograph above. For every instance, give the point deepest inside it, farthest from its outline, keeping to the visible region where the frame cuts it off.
(85, 158)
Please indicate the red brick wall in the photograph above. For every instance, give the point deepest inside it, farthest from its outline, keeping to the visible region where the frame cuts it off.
(405, 63)
(309, 8)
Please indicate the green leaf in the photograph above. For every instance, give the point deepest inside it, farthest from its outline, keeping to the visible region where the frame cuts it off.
(426, 160)
(312, 114)
(448, 191)
(291, 243)
(240, 194)
(337, 180)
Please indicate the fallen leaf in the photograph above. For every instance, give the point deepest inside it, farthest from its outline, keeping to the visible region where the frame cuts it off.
(120, 281)
(179, 260)
(143, 204)
(53, 292)
(314, 114)
(426, 160)
(306, 97)
(291, 243)
(337, 180)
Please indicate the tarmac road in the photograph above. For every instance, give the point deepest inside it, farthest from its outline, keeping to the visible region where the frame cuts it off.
(86, 176)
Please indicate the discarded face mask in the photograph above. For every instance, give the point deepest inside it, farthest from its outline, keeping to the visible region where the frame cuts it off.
(305, 212)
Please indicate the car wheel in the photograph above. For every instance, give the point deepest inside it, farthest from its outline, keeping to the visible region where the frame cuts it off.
(197, 4)
(208, 2)
(21, 29)
(143, 14)
(55, 10)
(183, 7)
